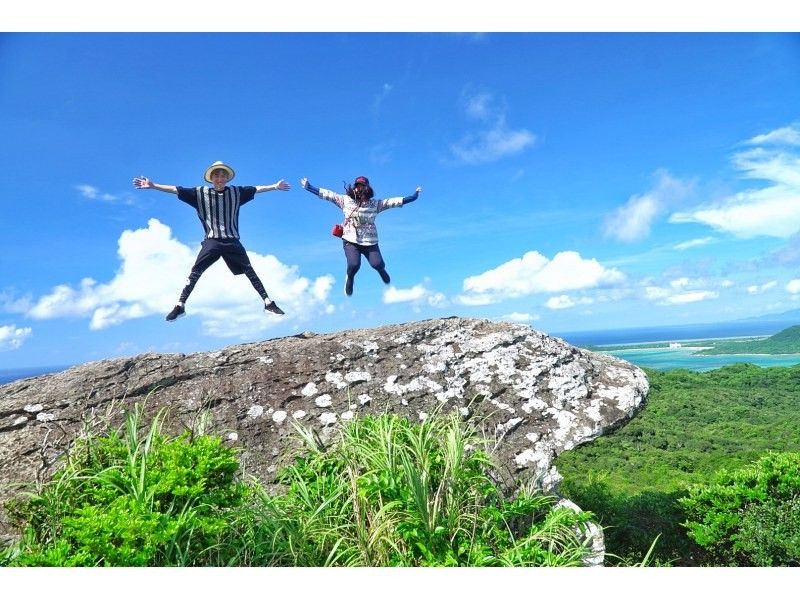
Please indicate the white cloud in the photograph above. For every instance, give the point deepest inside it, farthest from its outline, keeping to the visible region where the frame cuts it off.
(394, 295)
(655, 293)
(693, 243)
(12, 337)
(560, 302)
(783, 136)
(520, 317)
(793, 286)
(417, 295)
(88, 191)
(679, 283)
(775, 166)
(491, 145)
(91, 192)
(679, 291)
(154, 267)
(437, 300)
(633, 221)
(496, 140)
(476, 299)
(565, 302)
(757, 289)
(479, 106)
(534, 273)
(10, 304)
(692, 297)
(772, 210)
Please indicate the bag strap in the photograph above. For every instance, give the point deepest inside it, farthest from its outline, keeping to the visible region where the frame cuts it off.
(353, 211)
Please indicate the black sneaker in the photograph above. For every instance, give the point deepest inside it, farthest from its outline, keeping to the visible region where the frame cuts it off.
(348, 285)
(384, 276)
(176, 313)
(272, 306)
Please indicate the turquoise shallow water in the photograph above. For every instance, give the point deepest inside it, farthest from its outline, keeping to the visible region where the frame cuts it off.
(683, 358)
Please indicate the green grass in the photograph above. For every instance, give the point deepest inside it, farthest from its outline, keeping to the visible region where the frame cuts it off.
(392, 493)
(388, 493)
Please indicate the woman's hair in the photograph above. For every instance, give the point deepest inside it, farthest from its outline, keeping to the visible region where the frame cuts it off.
(368, 193)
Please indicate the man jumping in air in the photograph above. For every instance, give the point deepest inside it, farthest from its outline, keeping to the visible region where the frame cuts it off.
(218, 210)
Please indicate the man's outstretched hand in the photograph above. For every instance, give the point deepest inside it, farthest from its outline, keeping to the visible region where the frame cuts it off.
(142, 182)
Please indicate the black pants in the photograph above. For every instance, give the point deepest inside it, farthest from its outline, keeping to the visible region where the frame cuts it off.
(235, 257)
(353, 253)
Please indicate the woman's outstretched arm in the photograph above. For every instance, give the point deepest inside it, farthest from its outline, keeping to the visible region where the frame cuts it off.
(308, 186)
(413, 197)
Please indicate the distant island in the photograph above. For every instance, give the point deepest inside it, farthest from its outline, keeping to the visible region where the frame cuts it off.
(785, 342)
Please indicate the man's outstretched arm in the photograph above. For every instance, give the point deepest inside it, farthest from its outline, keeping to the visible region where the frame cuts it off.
(279, 186)
(142, 182)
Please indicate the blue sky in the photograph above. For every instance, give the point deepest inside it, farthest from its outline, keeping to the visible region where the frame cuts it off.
(573, 182)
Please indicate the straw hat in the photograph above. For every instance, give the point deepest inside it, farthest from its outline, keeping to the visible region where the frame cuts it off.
(219, 166)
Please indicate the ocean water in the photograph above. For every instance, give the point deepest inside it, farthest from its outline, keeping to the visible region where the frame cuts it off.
(684, 357)
(630, 336)
(7, 376)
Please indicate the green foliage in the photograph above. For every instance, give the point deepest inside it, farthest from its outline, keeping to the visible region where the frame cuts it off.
(131, 500)
(632, 523)
(694, 424)
(750, 516)
(389, 493)
(395, 494)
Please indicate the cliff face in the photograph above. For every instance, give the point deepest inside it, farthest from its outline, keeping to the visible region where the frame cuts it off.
(535, 394)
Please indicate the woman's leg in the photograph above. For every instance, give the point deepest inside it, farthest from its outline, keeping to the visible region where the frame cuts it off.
(376, 261)
(353, 255)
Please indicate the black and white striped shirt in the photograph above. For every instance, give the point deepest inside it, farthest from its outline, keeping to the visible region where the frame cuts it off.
(217, 210)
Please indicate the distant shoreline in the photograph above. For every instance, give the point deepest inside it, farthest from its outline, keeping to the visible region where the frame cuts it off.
(665, 343)
(13, 374)
(674, 333)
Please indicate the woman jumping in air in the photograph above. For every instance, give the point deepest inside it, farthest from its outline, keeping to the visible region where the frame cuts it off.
(360, 236)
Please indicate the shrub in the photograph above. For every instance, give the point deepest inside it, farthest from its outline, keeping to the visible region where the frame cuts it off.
(750, 516)
(131, 500)
(632, 523)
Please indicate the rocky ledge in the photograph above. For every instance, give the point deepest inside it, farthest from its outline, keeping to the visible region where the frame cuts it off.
(534, 395)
